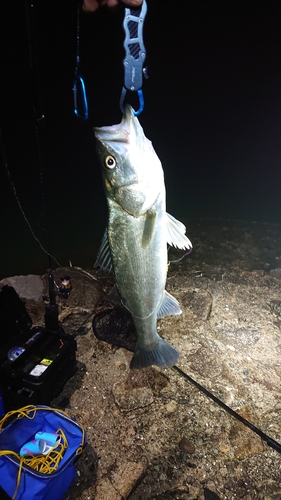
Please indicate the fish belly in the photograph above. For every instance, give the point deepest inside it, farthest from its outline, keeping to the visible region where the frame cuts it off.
(140, 268)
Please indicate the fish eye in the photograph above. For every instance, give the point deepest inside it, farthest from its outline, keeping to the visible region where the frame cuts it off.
(110, 162)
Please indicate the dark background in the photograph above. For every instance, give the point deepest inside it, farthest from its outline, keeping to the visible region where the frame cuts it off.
(212, 111)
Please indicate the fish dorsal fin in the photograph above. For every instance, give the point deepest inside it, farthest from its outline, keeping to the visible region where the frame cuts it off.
(104, 260)
(169, 306)
(149, 227)
(176, 233)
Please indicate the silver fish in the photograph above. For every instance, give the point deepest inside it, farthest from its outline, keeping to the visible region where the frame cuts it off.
(139, 229)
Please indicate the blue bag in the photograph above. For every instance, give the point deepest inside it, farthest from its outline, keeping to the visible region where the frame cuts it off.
(20, 477)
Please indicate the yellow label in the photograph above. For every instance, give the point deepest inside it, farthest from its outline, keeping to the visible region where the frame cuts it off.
(46, 361)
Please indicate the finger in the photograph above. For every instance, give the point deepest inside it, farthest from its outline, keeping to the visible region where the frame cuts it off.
(128, 3)
(133, 3)
(112, 3)
(92, 5)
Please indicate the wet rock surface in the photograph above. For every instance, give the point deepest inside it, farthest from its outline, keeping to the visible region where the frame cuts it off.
(151, 433)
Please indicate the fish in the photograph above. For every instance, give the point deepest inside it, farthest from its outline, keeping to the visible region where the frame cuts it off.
(134, 245)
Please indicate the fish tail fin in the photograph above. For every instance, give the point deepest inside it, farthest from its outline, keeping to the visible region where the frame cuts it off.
(161, 354)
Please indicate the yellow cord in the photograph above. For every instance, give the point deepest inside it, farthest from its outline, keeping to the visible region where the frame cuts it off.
(45, 464)
(22, 412)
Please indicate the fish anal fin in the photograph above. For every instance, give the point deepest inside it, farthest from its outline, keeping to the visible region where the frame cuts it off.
(169, 306)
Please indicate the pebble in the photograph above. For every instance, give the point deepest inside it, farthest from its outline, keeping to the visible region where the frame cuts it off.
(187, 445)
(171, 406)
(190, 480)
(229, 485)
(223, 471)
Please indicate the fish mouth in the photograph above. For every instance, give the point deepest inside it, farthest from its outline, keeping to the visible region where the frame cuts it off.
(125, 132)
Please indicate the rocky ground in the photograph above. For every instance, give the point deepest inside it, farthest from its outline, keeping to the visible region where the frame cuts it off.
(151, 433)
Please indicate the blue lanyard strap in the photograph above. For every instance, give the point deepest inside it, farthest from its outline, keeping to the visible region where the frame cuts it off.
(134, 54)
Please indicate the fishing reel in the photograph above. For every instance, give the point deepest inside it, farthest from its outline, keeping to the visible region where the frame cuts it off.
(51, 308)
(63, 290)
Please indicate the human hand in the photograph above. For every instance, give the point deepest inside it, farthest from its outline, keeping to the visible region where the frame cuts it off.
(93, 5)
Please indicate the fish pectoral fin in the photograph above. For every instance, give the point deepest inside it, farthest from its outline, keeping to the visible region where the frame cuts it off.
(104, 260)
(149, 227)
(169, 306)
(176, 233)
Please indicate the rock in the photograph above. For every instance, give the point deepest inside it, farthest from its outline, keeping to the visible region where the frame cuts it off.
(204, 364)
(85, 294)
(27, 287)
(30, 289)
(244, 441)
(171, 406)
(125, 475)
(187, 445)
(229, 459)
(201, 304)
(105, 491)
(133, 398)
(190, 480)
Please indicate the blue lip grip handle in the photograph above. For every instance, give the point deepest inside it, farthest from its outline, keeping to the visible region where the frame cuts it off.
(34, 447)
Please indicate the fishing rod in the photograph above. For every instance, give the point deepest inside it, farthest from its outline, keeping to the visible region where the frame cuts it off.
(39, 117)
(271, 442)
(63, 290)
(51, 308)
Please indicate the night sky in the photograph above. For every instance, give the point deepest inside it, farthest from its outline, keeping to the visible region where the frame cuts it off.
(212, 111)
